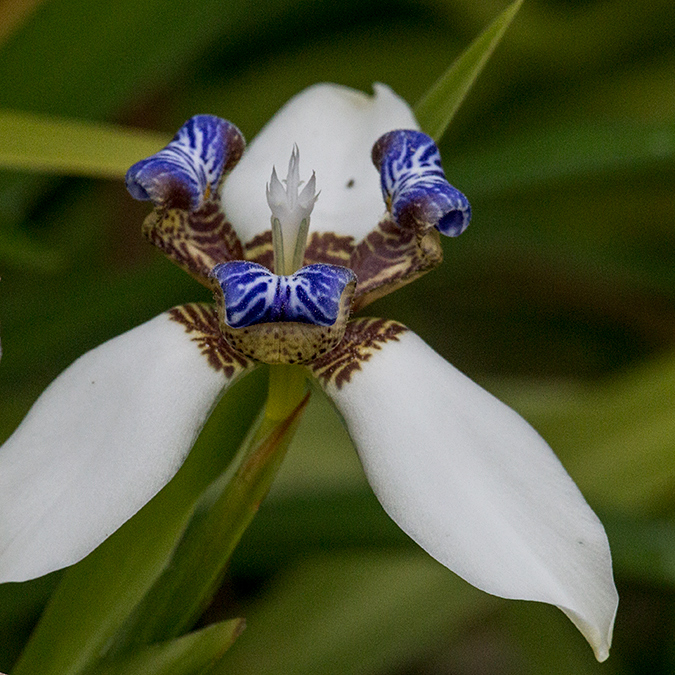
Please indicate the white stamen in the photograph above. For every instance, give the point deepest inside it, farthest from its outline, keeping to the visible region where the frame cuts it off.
(290, 215)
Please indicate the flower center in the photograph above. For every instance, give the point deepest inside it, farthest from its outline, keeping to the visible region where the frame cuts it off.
(290, 215)
(294, 314)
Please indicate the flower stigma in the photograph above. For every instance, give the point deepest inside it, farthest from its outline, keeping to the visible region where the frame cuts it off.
(290, 215)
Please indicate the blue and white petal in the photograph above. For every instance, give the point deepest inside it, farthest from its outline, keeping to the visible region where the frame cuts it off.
(414, 186)
(334, 127)
(253, 295)
(100, 441)
(188, 170)
(473, 484)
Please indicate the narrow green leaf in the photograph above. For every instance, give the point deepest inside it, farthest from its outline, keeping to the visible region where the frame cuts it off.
(221, 517)
(20, 251)
(76, 148)
(435, 110)
(547, 642)
(13, 13)
(353, 613)
(565, 152)
(616, 437)
(20, 607)
(187, 655)
(97, 595)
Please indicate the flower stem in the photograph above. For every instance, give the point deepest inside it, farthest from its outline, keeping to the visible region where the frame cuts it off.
(278, 247)
(287, 388)
(300, 245)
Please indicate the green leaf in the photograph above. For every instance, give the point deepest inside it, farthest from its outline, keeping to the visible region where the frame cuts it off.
(528, 160)
(42, 143)
(547, 643)
(20, 251)
(20, 607)
(187, 655)
(222, 515)
(86, 58)
(12, 14)
(616, 437)
(435, 110)
(97, 595)
(353, 613)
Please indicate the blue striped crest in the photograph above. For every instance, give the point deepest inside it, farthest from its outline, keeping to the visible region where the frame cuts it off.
(189, 169)
(254, 295)
(414, 185)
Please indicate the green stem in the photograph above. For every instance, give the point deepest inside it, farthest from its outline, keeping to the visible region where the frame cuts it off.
(287, 388)
(278, 246)
(300, 246)
(220, 519)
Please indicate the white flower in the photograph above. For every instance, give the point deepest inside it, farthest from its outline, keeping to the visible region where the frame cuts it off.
(461, 473)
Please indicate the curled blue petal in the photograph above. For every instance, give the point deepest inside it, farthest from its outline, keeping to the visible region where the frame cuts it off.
(252, 294)
(414, 185)
(189, 169)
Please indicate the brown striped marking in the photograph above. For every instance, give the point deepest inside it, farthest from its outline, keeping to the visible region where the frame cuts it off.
(202, 320)
(362, 339)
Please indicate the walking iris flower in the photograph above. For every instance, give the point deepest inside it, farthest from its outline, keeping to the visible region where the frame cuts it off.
(469, 480)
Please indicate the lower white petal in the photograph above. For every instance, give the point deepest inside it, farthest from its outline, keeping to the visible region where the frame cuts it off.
(335, 129)
(473, 484)
(101, 440)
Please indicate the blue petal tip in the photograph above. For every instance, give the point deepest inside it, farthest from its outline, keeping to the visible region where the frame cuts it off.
(190, 167)
(414, 185)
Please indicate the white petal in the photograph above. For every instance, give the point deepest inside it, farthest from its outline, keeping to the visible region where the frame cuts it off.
(100, 441)
(335, 128)
(473, 484)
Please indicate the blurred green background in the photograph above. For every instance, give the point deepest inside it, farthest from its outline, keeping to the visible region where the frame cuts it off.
(560, 298)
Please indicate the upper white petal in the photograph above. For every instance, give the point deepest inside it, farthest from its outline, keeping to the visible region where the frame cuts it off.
(335, 128)
(100, 441)
(473, 484)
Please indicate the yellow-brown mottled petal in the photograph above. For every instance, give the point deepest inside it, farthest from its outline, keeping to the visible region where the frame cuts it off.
(391, 257)
(261, 250)
(329, 248)
(197, 240)
(388, 258)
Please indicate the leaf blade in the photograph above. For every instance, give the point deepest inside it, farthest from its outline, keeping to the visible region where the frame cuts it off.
(74, 631)
(187, 655)
(72, 147)
(381, 609)
(563, 153)
(437, 107)
(221, 516)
